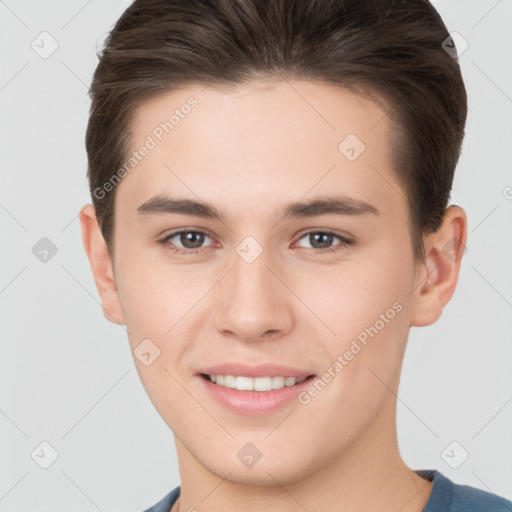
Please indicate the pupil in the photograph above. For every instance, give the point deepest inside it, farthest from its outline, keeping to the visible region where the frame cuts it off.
(196, 239)
(317, 237)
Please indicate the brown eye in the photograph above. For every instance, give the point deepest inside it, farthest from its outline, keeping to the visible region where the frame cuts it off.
(191, 239)
(186, 241)
(322, 241)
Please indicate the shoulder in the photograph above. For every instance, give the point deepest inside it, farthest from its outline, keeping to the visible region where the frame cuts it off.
(470, 499)
(447, 496)
(165, 504)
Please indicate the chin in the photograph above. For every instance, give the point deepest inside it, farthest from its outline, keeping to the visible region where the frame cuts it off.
(268, 471)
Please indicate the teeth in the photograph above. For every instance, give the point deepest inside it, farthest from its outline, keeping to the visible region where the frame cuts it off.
(257, 384)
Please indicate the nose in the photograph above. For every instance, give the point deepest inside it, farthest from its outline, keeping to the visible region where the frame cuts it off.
(252, 301)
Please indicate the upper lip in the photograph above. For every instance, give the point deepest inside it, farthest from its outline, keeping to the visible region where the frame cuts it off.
(260, 370)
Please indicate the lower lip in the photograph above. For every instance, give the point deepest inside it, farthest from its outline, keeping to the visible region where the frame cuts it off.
(254, 403)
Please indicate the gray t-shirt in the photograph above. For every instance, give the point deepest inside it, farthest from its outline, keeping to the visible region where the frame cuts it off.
(446, 496)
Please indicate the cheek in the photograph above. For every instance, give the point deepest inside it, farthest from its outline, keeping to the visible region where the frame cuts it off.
(353, 295)
(155, 295)
(158, 301)
(365, 305)
(366, 309)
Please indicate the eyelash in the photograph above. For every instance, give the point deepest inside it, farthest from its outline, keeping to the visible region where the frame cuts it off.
(187, 252)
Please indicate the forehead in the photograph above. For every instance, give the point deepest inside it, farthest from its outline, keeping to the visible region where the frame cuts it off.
(277, 140)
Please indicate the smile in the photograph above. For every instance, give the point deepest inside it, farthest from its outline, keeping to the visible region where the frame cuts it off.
(254, 396)
(243, 383)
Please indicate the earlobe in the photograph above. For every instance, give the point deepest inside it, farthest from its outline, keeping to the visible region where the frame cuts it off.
(101, 265)
(437, 276)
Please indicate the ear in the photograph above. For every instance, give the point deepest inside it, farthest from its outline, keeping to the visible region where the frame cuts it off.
(101, 265)
(437, 276)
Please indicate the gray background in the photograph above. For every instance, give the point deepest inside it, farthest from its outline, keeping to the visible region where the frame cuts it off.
(67, 375)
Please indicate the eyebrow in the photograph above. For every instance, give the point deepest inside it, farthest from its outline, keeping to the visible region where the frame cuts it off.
(340, 205)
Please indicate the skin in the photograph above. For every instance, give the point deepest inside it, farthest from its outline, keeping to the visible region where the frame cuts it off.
(249, 151)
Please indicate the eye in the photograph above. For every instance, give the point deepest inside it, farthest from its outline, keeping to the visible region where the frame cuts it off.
(187, 241)
(321, 241)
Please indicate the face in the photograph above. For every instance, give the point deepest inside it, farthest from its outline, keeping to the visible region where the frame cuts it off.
(298, 255)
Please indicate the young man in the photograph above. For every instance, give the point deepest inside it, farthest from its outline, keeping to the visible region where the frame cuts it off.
(270, 181)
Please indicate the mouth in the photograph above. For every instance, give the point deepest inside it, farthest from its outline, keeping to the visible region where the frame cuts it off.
(254, 390)
(254, 396)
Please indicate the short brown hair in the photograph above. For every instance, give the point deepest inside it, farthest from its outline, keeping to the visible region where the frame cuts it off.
(390, 49)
